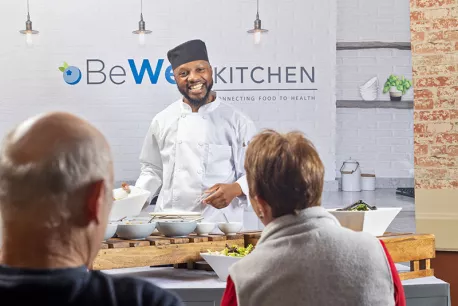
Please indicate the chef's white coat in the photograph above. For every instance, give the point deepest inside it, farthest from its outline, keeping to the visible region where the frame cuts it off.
(185, 153)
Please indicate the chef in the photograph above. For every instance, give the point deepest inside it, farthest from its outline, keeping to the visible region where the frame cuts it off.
(197, 145)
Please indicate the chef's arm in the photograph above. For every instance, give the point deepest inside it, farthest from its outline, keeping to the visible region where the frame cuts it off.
(246, 133)
(151, 163)
(243, 184)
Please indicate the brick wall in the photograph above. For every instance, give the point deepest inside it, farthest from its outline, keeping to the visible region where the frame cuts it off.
(434, 26)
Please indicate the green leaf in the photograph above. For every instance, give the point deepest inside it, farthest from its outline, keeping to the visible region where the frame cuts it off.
(386, 89)
(399, 87)
(65, 65)
(62, 69)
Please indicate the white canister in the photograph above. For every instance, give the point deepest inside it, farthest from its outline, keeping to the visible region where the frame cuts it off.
(368, 181)
(351, 175)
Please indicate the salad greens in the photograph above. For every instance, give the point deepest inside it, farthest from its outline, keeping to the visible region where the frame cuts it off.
(234, 251)
(358, 206)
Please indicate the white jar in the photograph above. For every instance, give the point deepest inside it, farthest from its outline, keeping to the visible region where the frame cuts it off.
(368, 181)
(351, 175)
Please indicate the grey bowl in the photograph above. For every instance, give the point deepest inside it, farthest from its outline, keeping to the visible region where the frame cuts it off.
(135, 230)
(176, 228)
(110, 230)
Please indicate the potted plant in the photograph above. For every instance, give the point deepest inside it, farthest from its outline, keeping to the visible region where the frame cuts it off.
(397, 86)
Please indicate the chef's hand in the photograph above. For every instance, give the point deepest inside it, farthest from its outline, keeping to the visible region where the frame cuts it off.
(224, 194)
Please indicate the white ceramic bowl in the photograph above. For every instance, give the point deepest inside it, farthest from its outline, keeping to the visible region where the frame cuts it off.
(230, 228)
(176, 228)
(220, 264)
(110, 230)
(134, 230)
(369, 91)
(129, 206)
(204, 228)
(371, 83)
(374, 222)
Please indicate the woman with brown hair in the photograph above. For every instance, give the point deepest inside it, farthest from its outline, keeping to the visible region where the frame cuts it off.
(304, 256)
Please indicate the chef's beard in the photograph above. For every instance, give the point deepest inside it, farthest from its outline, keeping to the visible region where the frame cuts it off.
(195, 102)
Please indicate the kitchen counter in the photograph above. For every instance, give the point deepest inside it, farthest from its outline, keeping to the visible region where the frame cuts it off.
(404, 221)
(202, 288)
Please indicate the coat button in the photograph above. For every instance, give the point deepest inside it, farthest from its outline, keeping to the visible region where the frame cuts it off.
(183, 116)
(180, 142)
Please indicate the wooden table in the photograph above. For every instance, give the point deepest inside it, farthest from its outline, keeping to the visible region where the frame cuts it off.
(418, 249)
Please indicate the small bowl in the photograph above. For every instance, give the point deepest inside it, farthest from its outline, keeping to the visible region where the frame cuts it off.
(134, 230)
(175, 228)
(204, 228)
(230, 228)
(110, 230)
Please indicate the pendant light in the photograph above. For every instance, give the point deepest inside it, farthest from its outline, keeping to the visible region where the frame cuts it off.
(28, 28)
(141, 27)
(257, 30)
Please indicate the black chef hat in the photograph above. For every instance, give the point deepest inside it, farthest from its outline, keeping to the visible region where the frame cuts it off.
(193, 50)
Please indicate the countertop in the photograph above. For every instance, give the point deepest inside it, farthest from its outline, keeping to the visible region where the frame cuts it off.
(171, 278)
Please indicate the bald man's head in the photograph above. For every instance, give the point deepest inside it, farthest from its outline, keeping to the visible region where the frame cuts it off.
(43, 136)
(47, 159)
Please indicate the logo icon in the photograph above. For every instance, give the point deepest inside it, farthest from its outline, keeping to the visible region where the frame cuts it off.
(71, 74)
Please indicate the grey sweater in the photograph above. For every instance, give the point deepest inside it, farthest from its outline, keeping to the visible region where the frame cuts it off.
(310, 260)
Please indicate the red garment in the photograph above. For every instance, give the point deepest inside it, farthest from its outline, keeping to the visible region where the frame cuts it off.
(399, 295)
(230, 296)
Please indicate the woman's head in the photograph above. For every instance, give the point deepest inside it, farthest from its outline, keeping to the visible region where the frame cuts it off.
(284, 172)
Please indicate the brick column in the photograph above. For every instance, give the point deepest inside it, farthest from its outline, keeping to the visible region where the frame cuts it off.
(434, 36)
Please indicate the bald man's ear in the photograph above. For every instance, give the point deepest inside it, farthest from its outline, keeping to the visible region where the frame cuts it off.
(94, 200)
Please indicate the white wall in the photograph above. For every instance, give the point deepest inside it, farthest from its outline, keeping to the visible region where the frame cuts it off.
(356, 67)
(74, 31)
(381, 139)
(369, 20)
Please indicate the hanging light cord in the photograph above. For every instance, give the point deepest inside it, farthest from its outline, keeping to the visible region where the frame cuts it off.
(141, 8)
(257, 9)
(28, 15)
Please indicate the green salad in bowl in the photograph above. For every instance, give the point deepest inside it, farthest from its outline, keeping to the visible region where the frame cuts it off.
(234, 251)
(221, 261)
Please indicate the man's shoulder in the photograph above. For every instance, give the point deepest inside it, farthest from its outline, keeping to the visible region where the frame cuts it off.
(170, 110)
(237, 113)
(129, 289)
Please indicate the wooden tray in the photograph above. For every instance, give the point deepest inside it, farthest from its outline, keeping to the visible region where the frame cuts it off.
(158, 250)
(418, 249)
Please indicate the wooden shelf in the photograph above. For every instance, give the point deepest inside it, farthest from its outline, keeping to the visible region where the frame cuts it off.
(374, 104)
(373, 45)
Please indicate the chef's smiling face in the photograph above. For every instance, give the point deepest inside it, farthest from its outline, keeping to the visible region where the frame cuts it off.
(194, 81)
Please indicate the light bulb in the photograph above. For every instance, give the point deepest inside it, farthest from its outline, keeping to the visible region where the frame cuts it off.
(29, 39)
(141, 39)
(257, 37)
